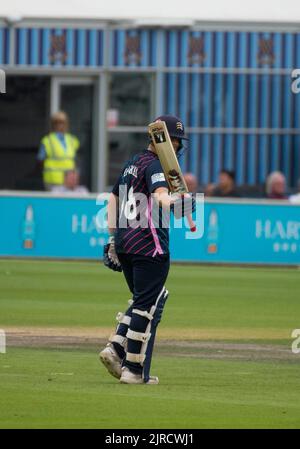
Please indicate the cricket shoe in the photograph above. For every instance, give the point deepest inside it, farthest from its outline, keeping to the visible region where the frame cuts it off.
(129, 377)
(111, 361)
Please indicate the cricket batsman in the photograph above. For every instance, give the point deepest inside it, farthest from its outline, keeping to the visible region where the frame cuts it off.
(142, 254)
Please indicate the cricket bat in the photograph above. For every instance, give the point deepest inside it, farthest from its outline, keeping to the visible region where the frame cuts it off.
(169, 162)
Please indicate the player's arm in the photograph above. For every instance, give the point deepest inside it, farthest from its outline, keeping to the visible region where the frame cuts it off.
(112, 208)
(181, 205)
(158, 187)
(161, 195)
(157, 184)
(110, 256)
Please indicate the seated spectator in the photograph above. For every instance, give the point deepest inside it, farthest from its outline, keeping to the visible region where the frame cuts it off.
(295, 199)
(226, 185)
(191, 182)
(208, 191)
(251, 191)
(276, 186)
(71, 184)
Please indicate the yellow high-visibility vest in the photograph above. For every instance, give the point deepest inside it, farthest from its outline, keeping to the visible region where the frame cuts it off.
(59, 159)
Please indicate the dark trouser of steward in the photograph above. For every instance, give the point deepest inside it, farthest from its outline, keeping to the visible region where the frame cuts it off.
(135, 334)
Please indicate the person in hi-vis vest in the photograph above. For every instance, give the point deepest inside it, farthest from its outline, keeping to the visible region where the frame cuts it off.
(58, 151)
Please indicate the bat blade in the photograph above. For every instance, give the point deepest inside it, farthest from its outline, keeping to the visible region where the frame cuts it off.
(167, 156)
(169, 162)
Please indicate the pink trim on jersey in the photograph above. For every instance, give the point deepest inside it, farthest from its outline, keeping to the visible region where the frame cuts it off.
(148, 254)
(140, 249)
(131, 230)
(136, 244)
(153, 231)
(134, 235)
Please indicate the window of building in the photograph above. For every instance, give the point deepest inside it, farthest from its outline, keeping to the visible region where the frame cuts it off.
(130, 109)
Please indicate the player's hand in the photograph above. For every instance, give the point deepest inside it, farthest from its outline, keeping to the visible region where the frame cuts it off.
(110, 257)
(183, 205)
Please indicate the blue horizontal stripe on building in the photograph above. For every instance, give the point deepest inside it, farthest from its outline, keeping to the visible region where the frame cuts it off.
(133, 48)
(139, 48)
(231, 49)
(58, 47)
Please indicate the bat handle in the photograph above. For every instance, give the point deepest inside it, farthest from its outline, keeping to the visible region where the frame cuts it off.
(191, 223)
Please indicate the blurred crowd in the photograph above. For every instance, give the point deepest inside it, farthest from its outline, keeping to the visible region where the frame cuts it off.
(58, 161)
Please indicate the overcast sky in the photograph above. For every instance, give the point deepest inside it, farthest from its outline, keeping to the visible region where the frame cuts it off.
(176, 10)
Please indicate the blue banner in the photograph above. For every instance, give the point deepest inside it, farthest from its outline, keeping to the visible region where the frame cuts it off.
(234, 232)
(50, 227)
(243, 232)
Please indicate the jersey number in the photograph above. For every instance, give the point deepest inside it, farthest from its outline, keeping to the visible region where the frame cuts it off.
(129, 208)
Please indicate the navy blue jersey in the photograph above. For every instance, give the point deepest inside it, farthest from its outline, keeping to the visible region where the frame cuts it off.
(143, 174)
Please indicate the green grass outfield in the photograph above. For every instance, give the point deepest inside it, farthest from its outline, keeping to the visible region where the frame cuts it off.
(61, 387)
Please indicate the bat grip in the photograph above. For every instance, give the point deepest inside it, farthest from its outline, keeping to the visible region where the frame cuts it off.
(192, 224)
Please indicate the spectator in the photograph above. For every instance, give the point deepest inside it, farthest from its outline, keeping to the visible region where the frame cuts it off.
(191, 182)
(57, 152)
(276, 186)
(295, 199)
(71, 184)
(209, 189)
(226, 185)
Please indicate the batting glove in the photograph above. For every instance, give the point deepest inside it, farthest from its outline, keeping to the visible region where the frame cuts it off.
(110, 257)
